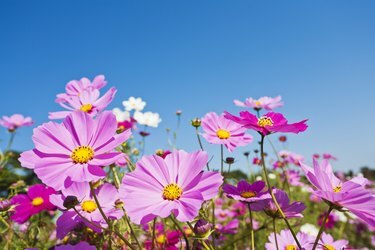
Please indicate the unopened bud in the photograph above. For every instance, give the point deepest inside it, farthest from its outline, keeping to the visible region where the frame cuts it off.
(196, 122)
(229, 160)
(70, 202)
(202, 227)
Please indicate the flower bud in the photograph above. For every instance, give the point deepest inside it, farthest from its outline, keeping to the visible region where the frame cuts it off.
(282, 138)
(229, 160)
(202, 228)
(246, 154)
(5, 205)
(144, 133)
(70, 202)
(178, 112)
(196, 122)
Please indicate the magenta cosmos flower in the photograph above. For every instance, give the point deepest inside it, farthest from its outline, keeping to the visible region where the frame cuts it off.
(76, 87)
(264, 102)
(268, 123)
(89, 101)
(75, 150)
(15, 121)
(80, 246)
(219, 130)
(107, 195)
(246, 192)
(286, 241)
(293, 210)
(176, 184)
(351, 194)
(328, 243)
(36, 200)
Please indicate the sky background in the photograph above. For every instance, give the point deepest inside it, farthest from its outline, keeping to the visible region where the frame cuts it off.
(198, 56)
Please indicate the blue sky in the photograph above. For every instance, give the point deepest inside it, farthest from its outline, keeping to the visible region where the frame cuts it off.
(198, 56)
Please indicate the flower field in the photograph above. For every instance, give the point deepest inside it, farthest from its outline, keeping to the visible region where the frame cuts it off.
(88, 183)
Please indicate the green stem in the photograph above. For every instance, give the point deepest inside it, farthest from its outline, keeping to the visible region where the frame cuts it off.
(182, 231)
(153, 234)
(201, 145)
(322, 227)
(115, 176)
(105, 217)
(213, 223)
(274, 232)
(222, 157)
(251, 227)
(271, 192)
(131, 228)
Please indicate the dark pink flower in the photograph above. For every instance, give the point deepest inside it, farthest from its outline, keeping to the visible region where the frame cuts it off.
(268, 123)
(36, 200)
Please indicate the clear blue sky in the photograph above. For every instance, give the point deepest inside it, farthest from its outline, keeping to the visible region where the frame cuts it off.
(198, 56)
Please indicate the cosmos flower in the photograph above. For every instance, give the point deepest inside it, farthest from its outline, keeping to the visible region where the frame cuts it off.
(76, 87)
(292, 210)
(223, 214)
(293, 177)
(247, 192)
(265, 102)
(286, 241)
(165, 240)
(15, 121)
(268, 123)
(82, 245)
(89, 101)
(219, 130)
(124, 120)
(36, 200)
(328, 243)
(291, 157)
(75, 150)
(107, 195)
(148, 119)
(330, 221)
(134, 104)
(351, 194)
(230, 228)
(176, 184)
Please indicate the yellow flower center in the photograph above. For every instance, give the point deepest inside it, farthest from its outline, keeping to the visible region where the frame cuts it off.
(37, 201)
(329, 247)
(291, 247)
(337, 189)
(89, 206)
(82, 154)
(248, 194)
(223, 134)
(86, 108)
(161, 239)
(258, 103)
(265, 121)
(172, 192)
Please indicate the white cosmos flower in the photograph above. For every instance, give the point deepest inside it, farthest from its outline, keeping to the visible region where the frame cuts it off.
(148, 118)
(309, 229)
(121, 116)
(134, 104)
(271, 176)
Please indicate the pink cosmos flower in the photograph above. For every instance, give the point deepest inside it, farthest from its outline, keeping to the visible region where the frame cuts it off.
(268, 123)
(330, 221)
(80, 246)
(75, 150)
(223, 214)
(89, 101)
(327, 243)
(76, 87)
(239, 208)
(285, 240)
(176, 184)
(293, 210)
(293, 177)
(329, 157)
(36, 200)
(230, 228)
(107, 195)
(351, 194)
(291, 157)
(265, 102)
(165, 240)
(15, 121)
(219, 130)
(247, 192)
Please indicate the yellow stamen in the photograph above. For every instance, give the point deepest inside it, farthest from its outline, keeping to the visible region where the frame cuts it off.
(161, 239)
(337, 189)
(86, 108)
(291, 247)
(37, 201)
(265, 121)
(258, 103)
(223, 134)
(172, 192)
(82, 154)
(89, 206)
(329, 247)
(248, 194)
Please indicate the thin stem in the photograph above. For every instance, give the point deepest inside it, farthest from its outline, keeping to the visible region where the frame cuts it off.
(153, 234)
(131, 228)
(274, 232)
(251, 227)
(271, 192)
(213, 223)
(105, 217)
(222, 157)
(322, 227)
(182, 231)
(115, 176)
(201, 145)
